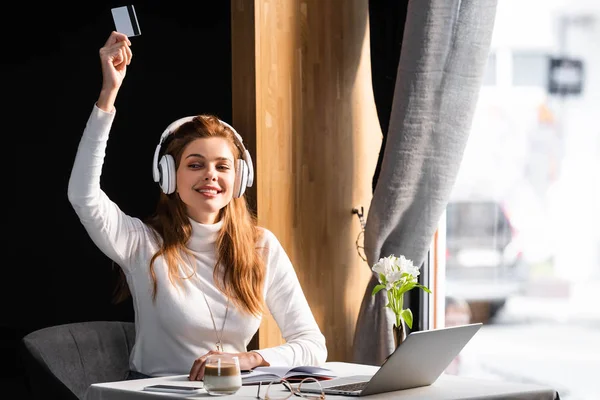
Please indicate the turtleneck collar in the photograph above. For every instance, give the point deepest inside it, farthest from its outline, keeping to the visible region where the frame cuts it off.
(204, 236)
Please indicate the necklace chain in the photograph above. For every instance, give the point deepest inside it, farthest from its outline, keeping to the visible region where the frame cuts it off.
(218, 335)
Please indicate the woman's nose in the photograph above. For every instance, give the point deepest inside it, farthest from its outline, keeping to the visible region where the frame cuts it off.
(211, 175)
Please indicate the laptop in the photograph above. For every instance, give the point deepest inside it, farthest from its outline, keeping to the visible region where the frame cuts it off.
(419, 361)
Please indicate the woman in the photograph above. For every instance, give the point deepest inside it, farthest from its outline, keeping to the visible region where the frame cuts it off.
(201, 273)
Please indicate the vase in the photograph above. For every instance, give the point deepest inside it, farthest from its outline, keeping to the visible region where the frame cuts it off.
(399, 334)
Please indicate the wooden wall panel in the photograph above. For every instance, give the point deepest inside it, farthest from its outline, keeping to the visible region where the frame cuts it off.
(317, 139)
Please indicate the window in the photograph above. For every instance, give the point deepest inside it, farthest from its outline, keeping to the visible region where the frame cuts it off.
(522, 227)
(530, 69)
(489, 76)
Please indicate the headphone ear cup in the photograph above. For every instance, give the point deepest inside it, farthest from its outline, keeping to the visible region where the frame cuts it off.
(241, 178)
(166, 168)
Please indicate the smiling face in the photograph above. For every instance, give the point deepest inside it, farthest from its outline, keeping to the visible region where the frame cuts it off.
(205, 178)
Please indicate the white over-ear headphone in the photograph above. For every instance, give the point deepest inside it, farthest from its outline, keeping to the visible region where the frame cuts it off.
(164, 171)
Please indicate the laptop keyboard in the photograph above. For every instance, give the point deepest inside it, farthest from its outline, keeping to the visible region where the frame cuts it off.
(350, 387)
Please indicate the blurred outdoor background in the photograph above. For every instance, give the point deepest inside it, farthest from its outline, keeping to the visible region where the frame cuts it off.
(523, 222)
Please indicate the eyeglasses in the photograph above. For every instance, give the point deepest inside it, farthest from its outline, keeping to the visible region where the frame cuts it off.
(275, 393)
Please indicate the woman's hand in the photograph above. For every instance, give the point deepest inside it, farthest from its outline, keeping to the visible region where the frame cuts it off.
(115, 56)
(248, 360)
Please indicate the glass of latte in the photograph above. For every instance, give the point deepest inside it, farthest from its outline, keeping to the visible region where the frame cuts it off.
(222, 374)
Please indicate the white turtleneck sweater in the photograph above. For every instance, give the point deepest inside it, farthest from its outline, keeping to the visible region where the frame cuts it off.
(175, 330)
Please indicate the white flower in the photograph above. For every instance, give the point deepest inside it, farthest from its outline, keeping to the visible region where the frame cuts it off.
(389, 271)
(406, 265)
(392, 268)
(385, 266)
(393, 277)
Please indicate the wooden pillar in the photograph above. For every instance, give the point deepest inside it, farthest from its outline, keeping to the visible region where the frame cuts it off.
(302, 95)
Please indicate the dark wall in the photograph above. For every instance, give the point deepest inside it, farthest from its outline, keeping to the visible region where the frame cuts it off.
(51, 75)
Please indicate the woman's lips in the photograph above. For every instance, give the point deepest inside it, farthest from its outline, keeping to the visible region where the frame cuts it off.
(209, 192)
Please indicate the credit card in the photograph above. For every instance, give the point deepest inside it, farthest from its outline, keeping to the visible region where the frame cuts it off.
(126, 21)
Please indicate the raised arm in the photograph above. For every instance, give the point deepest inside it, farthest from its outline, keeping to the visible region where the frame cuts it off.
(116, 234)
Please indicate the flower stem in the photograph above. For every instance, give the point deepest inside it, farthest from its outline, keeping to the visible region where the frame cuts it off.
(399, 310)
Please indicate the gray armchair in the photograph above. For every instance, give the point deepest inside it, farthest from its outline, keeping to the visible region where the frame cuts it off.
(62, 361)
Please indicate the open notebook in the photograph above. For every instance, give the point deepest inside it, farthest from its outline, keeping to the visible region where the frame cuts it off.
(268, 374)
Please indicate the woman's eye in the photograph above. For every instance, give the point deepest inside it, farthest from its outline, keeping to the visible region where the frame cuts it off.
(196, 165)
(223, 167)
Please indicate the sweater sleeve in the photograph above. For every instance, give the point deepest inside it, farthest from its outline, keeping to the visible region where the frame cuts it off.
(305, 344)
(113, 232)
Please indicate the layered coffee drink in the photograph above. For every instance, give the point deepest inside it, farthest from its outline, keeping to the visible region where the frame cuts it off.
(222, 375)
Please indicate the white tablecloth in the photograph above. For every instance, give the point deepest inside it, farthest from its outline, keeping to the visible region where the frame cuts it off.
(447, 387)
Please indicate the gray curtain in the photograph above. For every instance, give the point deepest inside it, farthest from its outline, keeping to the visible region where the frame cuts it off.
(444, 52)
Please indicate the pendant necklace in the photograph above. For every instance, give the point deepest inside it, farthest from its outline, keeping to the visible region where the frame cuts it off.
(218, 335)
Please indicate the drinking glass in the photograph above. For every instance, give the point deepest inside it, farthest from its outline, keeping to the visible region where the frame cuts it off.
(222, 374)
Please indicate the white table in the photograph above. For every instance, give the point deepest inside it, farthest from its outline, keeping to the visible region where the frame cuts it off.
(447, 387)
